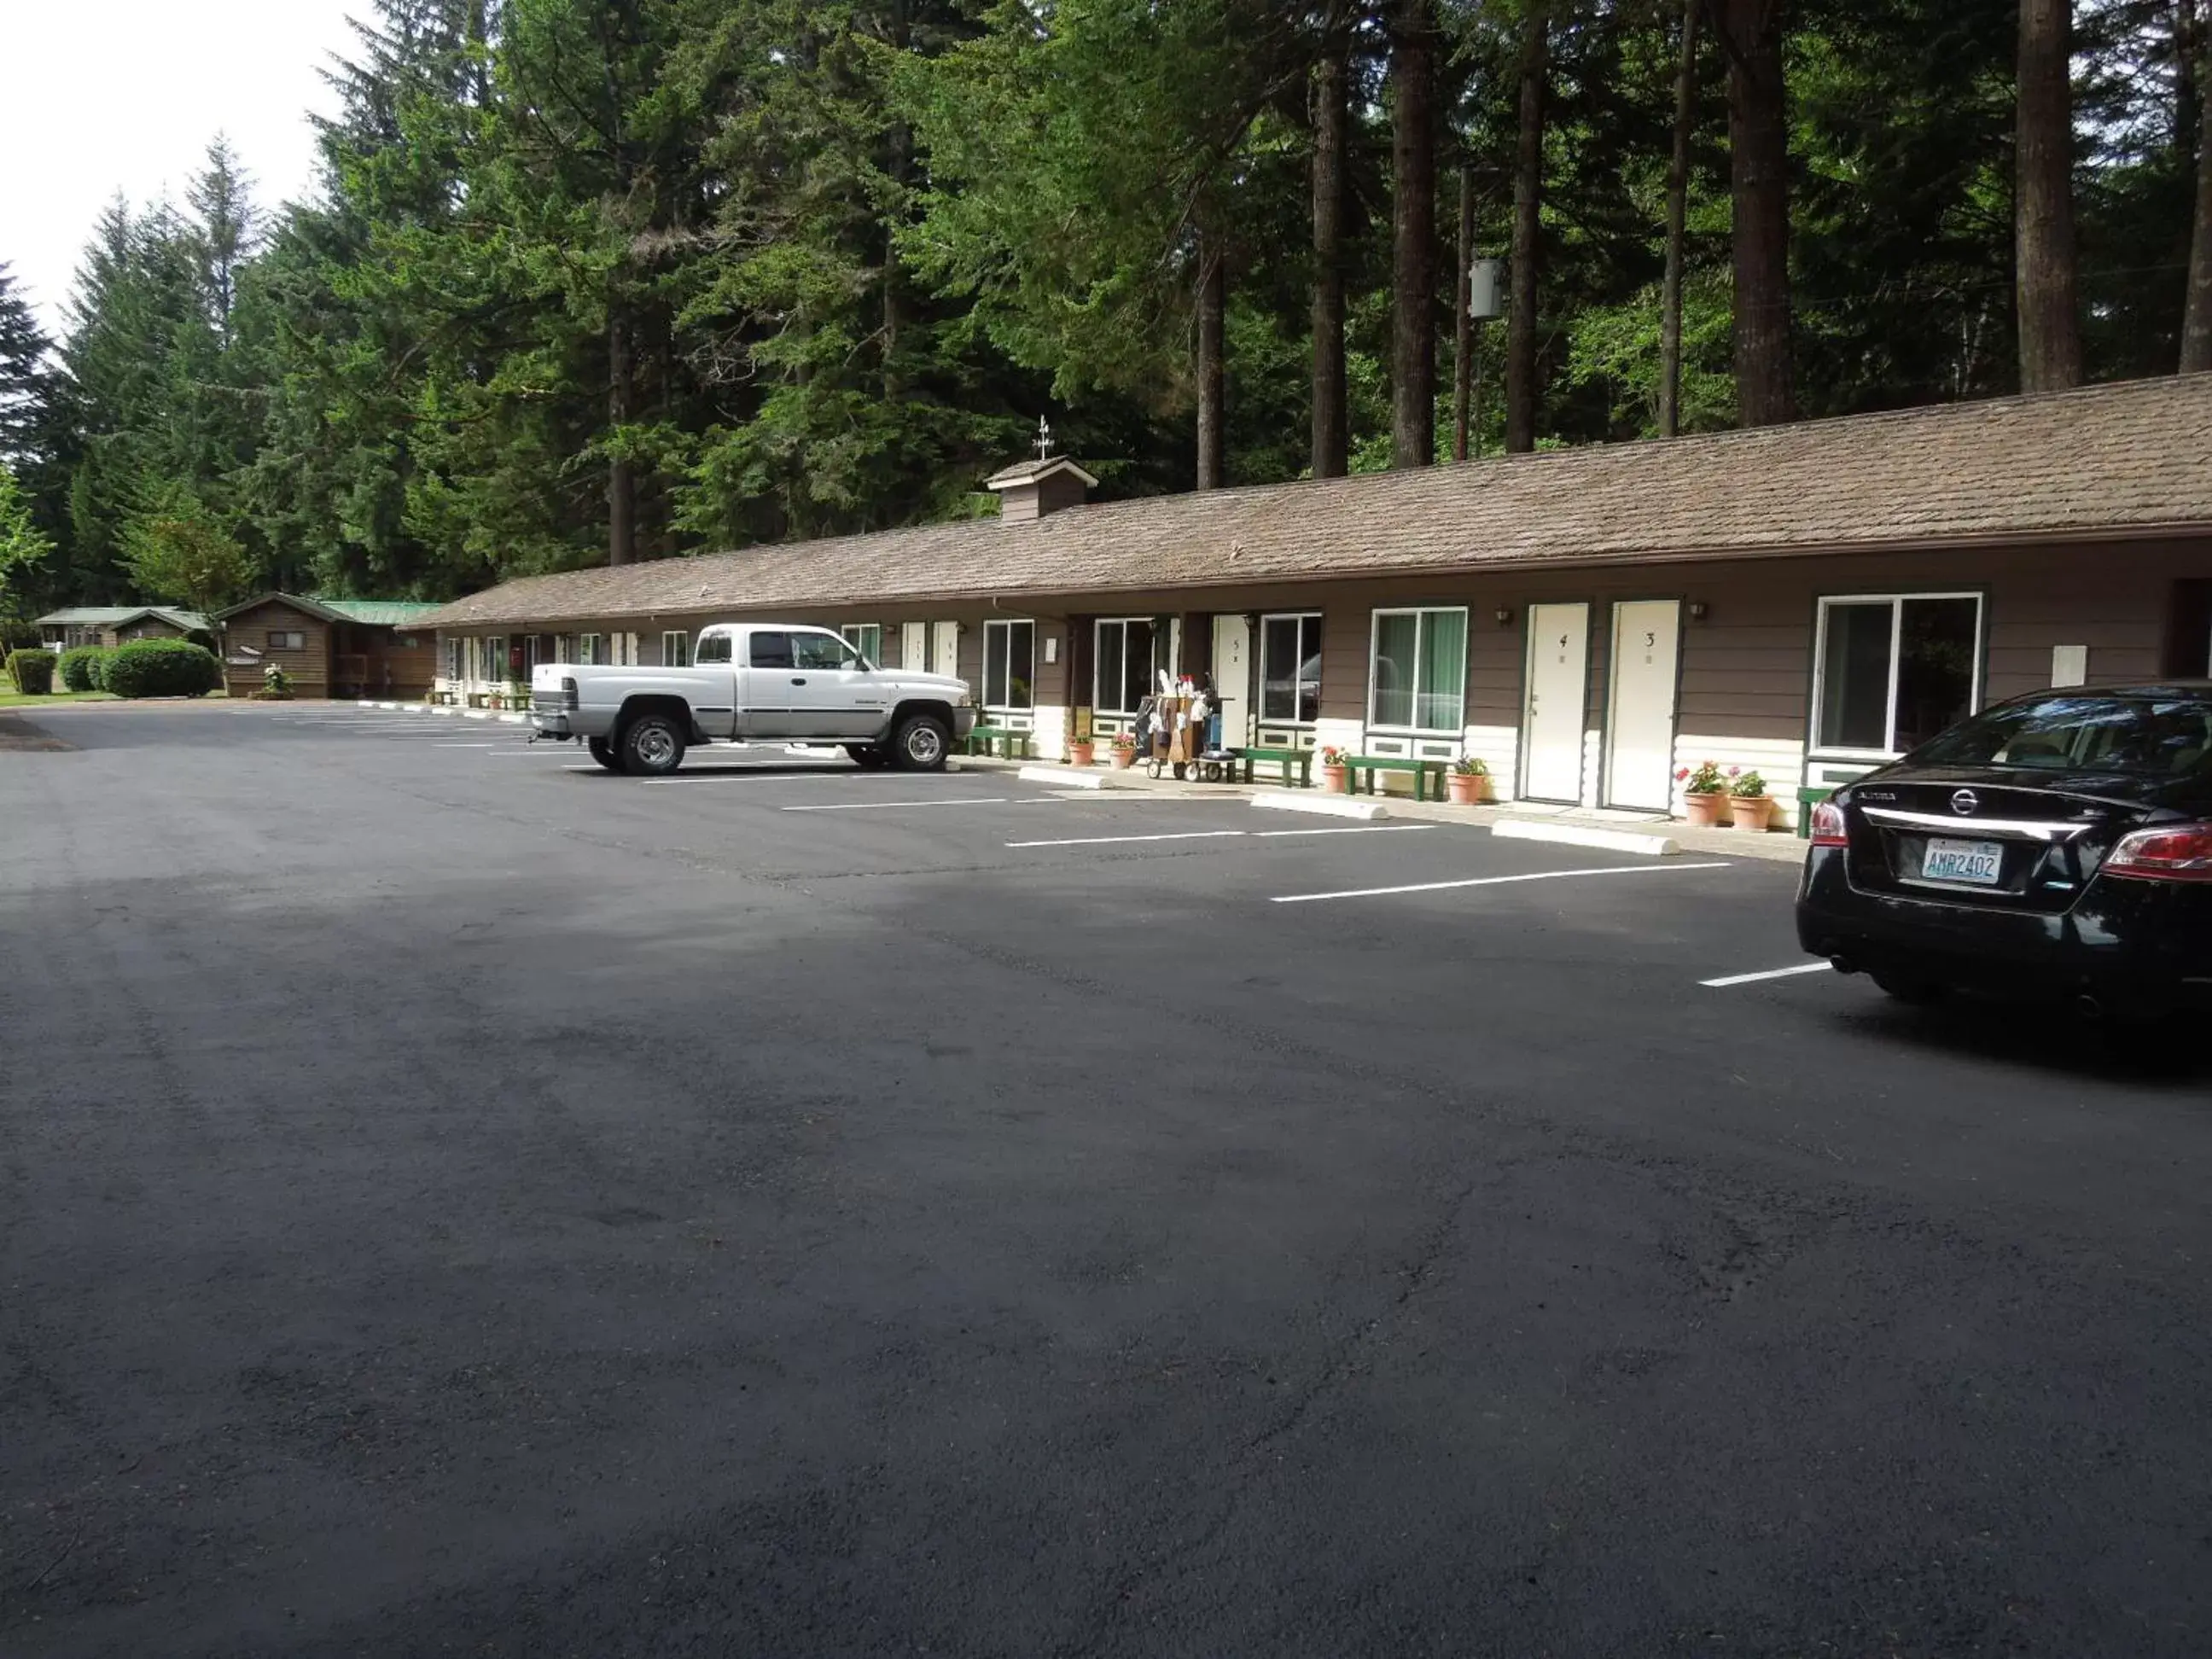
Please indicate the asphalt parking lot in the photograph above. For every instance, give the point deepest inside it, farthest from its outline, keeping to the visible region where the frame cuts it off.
(458, 1201)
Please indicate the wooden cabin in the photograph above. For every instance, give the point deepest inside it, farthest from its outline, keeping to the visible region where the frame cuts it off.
(350, 648)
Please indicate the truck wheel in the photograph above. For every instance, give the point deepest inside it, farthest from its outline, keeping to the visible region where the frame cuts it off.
(920, 744)
(604, 752)
(650, 746)
(867, 757)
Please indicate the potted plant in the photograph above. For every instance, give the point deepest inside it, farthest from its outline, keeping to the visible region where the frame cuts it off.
(1335, 776)
(1125, 750)
(1082, 752)
(1705, 791)
(1748, 802)
(1470, 781)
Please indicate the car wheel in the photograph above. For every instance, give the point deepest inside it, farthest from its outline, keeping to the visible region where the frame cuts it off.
(652, 746)
(922, 743)
(867, 757)
(604, 753)
(1914, 990)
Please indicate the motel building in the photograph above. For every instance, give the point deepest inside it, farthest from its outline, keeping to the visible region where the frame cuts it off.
(1806, 600)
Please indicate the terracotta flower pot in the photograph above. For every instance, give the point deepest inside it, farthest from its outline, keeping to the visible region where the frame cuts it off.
(1082, 754)
(1704, 812)
(1336, 779)
(1125, 757)
(1469, 788)
(1751, 811)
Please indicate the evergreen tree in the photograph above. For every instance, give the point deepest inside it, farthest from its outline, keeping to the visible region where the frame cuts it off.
(23, 549)
(603, 279)
(27, 386)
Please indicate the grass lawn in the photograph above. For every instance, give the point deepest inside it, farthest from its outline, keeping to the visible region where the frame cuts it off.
(11, 698)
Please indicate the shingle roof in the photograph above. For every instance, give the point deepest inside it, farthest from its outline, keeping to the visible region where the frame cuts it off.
(2131, 457)
(1030, 472)
(115, 615)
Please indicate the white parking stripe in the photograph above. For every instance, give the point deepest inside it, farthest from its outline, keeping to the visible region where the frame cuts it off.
(885, 805)
(1119, 841)
(1355, 830)
(1492, 881)
(1771, 973)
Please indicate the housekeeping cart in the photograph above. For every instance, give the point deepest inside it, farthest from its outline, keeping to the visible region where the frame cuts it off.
(1183, 735)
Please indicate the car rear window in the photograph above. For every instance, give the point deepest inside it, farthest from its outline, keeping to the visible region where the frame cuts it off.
(2151, 737)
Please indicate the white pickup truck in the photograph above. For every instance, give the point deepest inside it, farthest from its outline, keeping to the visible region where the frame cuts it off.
(773, 683)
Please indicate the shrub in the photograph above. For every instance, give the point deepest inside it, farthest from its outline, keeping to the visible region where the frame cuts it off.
(98, 668)
(76, 666)
(163, 668)
(33, 673)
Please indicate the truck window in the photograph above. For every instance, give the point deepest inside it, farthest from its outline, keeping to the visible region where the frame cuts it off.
(712, 648)
(822, 651)
(771, 651)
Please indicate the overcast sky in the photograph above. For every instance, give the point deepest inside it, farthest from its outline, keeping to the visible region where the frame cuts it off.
(102, 96)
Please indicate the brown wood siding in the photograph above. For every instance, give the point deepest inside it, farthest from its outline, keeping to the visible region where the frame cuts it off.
(1747, 665)
(309, 667)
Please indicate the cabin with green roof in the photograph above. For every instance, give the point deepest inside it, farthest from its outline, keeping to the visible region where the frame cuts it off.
(330, 648)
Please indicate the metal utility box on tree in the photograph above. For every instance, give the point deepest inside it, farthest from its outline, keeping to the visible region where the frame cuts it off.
(1486, 284)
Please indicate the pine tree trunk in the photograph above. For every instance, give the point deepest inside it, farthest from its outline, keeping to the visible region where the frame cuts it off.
(1213, 300)
(1413, 224)
(621, 488)
(1331, 437)
(1463, 324)
(1758, 175)
(1678, 200)
(901, 152)
(2191, 55)
(2197, 324)
(1528, 230)
(2043, 213)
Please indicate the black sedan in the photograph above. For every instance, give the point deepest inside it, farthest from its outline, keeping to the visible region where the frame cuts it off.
(2060, 843)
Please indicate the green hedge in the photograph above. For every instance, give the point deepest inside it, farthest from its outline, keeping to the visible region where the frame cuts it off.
(79, 667)
(162, 668)
(33, 673)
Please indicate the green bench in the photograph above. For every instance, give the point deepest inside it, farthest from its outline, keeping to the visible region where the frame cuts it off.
(1002, 740)
(1423, 770)
(1807, 800)
(1285, 758)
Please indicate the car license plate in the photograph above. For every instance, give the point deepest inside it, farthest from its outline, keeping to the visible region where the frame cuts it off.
(1977, 863)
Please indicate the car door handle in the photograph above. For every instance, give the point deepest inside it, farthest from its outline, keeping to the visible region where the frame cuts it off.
(797, 680)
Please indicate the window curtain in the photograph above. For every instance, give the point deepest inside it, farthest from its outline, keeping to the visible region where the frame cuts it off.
(1397, 652)
(1442, 702)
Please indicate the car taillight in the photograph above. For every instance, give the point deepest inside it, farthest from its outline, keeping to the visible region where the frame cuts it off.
(2182, 852)
(1828, 825)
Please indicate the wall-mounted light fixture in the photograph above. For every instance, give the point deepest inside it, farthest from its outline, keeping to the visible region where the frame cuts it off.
(1506, 616)
(1696, 611)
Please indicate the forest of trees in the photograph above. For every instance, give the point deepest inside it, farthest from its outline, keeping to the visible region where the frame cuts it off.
(592, 280)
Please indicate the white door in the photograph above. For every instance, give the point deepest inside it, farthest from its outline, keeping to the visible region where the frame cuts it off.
(914, 646)
(1552, 724)
(945, 648)
(1640, 723)
(1232, 677)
